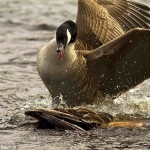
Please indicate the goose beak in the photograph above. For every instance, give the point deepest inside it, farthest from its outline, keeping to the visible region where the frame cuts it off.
(60, 49)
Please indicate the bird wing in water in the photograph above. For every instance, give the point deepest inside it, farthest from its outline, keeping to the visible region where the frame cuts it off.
(100, 21)
(76, 118)
(121, 64)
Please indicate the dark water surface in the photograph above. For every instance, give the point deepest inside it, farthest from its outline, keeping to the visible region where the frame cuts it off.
(25, 26)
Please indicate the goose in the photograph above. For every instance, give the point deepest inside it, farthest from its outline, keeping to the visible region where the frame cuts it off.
(77, 118)
(100, 55)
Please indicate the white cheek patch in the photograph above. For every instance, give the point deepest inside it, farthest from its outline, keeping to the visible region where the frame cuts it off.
(68, 36)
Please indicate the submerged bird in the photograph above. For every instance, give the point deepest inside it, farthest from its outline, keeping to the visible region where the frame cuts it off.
(98, 55)
(77, 118)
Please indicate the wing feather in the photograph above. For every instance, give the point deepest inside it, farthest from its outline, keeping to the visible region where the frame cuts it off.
(124, 8)
(121, 64)
(100, 21)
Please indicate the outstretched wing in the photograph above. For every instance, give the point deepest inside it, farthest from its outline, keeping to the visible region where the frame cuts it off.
(100, 21)
(128, 13)
(121, 64)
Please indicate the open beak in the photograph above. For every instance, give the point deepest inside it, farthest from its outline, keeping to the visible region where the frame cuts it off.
(60, 49)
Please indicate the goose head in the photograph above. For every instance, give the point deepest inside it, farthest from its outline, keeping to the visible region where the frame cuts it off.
(66, 34)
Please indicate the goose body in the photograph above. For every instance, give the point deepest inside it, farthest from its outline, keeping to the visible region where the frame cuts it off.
(62, 77)
(99, 58)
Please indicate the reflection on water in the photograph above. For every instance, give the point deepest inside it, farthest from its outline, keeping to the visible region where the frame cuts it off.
(25, 26)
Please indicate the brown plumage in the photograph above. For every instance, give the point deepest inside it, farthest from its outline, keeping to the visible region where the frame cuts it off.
(77, 118)
(100, 21)
(105, 59)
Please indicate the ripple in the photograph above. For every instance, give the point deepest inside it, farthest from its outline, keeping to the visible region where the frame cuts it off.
(44, 26)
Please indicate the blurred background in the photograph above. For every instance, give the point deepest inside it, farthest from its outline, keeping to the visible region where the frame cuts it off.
(25, 26)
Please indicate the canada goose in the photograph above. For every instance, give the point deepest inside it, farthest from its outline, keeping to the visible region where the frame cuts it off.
(84, 71)
(77, 118)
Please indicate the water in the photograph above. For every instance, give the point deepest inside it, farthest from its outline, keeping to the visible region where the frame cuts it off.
(25, 26)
